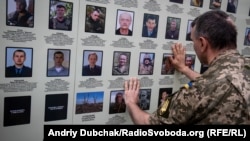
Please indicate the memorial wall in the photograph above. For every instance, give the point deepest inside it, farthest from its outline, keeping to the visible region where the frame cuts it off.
(65, 62)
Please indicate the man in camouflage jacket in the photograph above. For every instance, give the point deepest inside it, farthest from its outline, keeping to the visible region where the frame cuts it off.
(221, 95)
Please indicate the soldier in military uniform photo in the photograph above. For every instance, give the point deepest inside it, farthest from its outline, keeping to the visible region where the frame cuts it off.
(95, 19)
(60, 21)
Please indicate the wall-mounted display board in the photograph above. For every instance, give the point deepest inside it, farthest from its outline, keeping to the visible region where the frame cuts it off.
(65, 62)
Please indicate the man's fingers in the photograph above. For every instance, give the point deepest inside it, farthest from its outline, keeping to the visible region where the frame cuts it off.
(131, 83)
(126, 85)
(135, 84)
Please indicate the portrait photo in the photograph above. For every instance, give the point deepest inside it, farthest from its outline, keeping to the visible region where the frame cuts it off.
(163, 95)
(232, 6)
(92, 63)
(146, 63)
(144, 99)
(190, 61)
(150, 25)
(95, 19)
(117, 102)
(196, 3)
(176, 1)
(60, 15)
(124, 22)
(247, 37)
(58, 62)
(215, 4)
(121, 63)
(188, 33)
(20, 13)
(18, 62)
(89, 102)
(167, 67)
(172, 28)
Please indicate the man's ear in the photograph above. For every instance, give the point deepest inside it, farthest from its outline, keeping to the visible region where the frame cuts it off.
(204, 44)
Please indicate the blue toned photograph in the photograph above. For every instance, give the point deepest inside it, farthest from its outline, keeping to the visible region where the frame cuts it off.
(18, 62)
(58, 62)
(89, 102)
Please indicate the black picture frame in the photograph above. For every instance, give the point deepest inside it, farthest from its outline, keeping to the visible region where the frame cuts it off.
(56, 57)
(13, 17)
(119, 18)
(25, 56)
(121, 63)
(173, 28)
(65, 9)
(92, 63)
(146, 63)
(95, 19)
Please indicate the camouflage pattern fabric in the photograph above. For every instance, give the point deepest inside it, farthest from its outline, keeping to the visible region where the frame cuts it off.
(221, 95)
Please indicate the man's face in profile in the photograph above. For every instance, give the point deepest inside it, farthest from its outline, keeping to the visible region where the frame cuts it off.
(151, 23)
(19, 58)
(125, 20)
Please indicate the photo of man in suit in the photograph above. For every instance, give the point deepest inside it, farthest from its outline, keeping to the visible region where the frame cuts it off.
(92, 68)
(18, 69)
(150, 25)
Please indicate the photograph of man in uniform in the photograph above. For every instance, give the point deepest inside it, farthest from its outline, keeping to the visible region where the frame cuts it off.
(117, 102)
(95, 19)
(173, 28)
(121, 62)
(18, 62)
(144, 99)
(20, 13)
(60, 17)
(146, 63)
(163, 95)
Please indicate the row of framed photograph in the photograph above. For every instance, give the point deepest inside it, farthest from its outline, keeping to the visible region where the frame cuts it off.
(17, 110)
(58, 62)
(61, 18)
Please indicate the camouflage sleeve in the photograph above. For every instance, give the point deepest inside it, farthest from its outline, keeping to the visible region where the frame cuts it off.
(206, 102)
